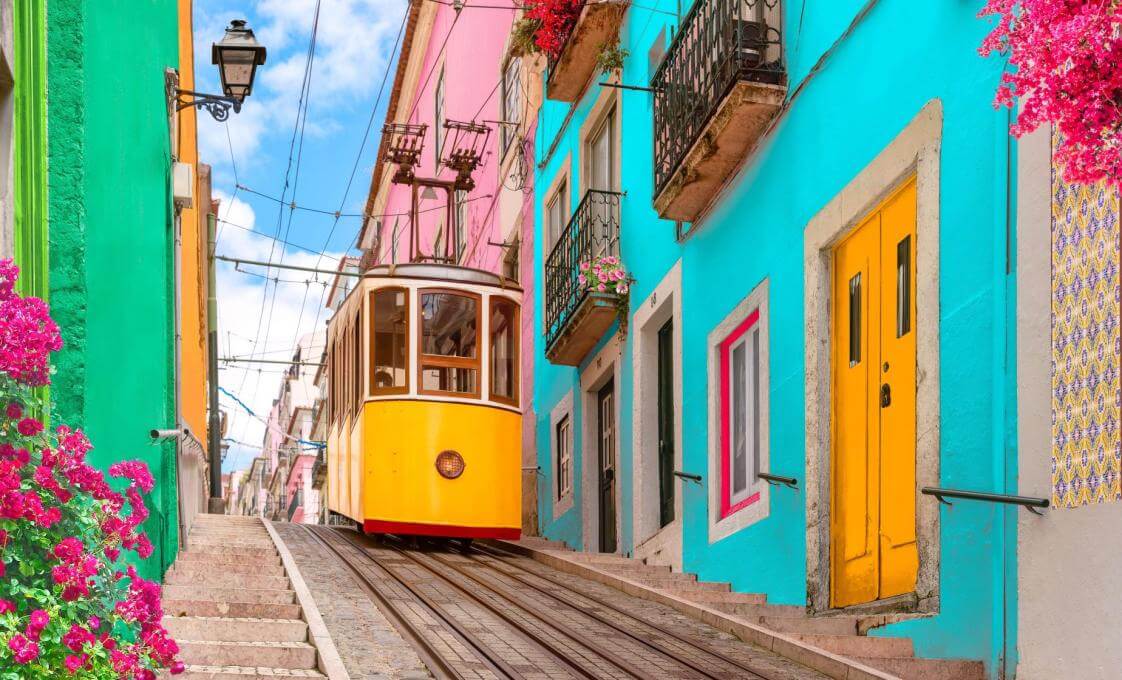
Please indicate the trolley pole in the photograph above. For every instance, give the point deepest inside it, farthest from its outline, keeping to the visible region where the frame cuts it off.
(216, 505)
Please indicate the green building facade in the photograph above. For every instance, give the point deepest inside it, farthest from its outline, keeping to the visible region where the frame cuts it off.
(111, 235)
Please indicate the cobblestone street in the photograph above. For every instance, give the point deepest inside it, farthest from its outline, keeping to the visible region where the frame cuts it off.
(369, 646)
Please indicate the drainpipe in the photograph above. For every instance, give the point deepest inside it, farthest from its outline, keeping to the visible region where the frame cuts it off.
(177, 248)
(214, 434)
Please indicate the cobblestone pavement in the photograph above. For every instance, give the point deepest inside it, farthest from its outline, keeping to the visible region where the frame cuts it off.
(370, 647)
(566, 626)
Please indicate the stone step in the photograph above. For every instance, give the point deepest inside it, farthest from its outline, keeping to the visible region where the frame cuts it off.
(299, 655)
(640, 569)
(710, 598)
(243, 673)
(202, 570)
(910, 668)
(669, 582)
(258, 543)
(607, 558)
(225, 535)
(226, 519)
(238, 610)
(230, 629)
(213, 549)
(787, 611)
(228, 580)
(860, 646)
(823, 625)
(196, 557)
(218, 594)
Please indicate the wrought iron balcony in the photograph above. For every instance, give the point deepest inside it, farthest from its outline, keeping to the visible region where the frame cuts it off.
(569, 71)
(720, 84)
(297, 501)
(575, 317)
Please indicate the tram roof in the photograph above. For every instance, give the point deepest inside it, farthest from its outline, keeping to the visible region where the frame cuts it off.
(441, 272)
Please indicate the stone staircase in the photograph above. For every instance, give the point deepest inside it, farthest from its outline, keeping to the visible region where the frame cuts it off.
(839, 635)
(230, 605)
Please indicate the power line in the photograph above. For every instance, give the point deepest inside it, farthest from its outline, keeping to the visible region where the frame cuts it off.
(263, 235)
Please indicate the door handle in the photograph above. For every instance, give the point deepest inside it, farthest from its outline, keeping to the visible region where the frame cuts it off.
(885, 395)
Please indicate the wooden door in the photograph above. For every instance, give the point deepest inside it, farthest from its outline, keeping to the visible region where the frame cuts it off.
(606, 455)
(666, 423)
(873, 533)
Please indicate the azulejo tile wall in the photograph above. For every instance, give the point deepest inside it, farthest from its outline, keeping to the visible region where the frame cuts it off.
(1086, 383)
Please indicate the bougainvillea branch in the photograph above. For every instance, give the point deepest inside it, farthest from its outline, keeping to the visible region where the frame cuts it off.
(1065, 60)
(68, 607)
(552, 22)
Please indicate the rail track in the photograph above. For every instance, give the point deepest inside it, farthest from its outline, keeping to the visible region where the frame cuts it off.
(480, 614)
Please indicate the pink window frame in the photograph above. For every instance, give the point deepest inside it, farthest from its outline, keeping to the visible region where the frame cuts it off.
(726, 455)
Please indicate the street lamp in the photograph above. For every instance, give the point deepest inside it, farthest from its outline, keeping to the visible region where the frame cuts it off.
(237, 56)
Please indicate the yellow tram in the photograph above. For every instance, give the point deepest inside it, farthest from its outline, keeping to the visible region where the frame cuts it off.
(425, 420)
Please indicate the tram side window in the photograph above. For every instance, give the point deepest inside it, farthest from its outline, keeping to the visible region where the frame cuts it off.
(389, 337)
(449, 343)
(504, 351)
(356, 365)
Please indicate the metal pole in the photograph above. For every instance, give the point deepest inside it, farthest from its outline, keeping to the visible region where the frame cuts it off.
(214, 433)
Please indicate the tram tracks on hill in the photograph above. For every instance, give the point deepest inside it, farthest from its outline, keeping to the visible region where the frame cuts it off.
(525, 623)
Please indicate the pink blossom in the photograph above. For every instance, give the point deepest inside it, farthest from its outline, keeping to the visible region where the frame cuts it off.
(7, 606)
(14, 411)
(24, 650)
(29, 427)
(75, 662)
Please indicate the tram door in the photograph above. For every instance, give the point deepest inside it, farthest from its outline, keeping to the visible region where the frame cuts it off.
(606, 453)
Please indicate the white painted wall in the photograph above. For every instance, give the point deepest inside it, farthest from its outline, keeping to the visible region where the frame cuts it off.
(1069, 562)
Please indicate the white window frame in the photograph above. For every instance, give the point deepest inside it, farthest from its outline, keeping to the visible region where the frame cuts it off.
(511, 103)
(562, 496)
(751, 367)
(438, 117)
(740, 518)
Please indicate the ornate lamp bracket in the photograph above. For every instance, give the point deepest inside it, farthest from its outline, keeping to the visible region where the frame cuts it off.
(216, 105)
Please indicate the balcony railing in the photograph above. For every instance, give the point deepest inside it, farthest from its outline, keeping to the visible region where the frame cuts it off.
(720, 43)
(593, 231)
(569, 70)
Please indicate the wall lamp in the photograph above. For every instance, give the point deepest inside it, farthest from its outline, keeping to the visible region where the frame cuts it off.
(237, 55)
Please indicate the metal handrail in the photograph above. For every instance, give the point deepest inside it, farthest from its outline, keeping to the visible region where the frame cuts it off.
(592, 231)
(719, 43)
(776, 480)
(1030, 503)
(688, 476)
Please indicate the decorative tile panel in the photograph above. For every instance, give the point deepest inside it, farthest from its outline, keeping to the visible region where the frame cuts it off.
(1086, 397)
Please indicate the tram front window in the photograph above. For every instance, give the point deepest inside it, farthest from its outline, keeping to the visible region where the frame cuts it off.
(389, 329)
(449, 343)
(504, 356)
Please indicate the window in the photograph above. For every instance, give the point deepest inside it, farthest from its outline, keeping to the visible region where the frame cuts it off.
(511, 262)
(389, 337)
(356, 364)
(600, 153)
(563, 445)
(461, 223)
(511, 103)
(438, 116)
(449, 343)
(556, 214)
(504, 350)
(904, 286)
(740, 416)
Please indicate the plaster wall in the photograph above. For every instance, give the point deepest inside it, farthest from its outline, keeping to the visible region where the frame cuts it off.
(1067, 561)
(111, 236)
(868, 85)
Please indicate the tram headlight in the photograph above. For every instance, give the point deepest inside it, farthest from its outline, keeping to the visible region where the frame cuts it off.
(450, 464)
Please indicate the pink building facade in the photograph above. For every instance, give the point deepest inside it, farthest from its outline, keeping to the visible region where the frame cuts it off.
(456, 67)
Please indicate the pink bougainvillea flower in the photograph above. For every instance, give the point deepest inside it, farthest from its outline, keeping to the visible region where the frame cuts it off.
(24, 651)
(1065, 69)
(14, 410)
(29, 427)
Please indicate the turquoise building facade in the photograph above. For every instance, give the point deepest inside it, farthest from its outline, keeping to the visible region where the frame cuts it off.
(874, 93)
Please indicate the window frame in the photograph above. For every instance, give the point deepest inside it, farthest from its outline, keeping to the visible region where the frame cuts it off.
(563, 445)
(558, 196)
(515, 351)
(731, 500)
(375, 391)
(438, 103)
(438, 361)
(728, 515)
(507, 135)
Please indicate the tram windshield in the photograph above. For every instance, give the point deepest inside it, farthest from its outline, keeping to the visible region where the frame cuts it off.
(389, 330)
(449, 343)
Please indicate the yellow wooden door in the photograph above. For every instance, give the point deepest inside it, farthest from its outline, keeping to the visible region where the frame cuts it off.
(873, 533)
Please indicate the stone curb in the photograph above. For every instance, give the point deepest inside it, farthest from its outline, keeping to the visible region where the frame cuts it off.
(328, 658)
(828, 663)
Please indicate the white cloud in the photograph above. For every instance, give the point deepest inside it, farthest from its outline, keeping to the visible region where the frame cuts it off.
(353, 45)
(242, 299)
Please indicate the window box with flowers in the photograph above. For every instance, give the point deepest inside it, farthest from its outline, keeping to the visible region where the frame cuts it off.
(572, 35)
(586, 285)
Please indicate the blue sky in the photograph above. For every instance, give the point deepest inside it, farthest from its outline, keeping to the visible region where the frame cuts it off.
(354, 50)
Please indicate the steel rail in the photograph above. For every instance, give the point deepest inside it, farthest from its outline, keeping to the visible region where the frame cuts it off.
(437, 664)
(491, 550)
(659, 649)
(519, 627)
